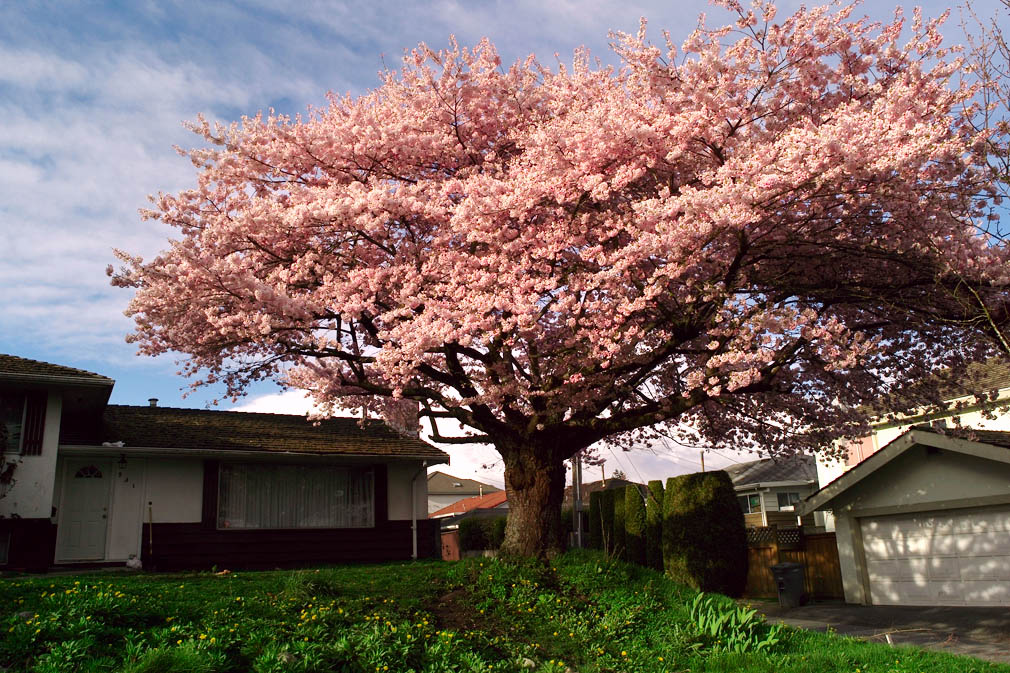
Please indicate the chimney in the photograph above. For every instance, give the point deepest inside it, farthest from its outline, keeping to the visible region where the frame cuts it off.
(153, 401)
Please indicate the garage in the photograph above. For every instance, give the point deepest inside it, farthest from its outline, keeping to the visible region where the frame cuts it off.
(960, 557)
(925, 520)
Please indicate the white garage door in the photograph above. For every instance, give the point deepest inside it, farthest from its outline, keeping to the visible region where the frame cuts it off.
(957, 557)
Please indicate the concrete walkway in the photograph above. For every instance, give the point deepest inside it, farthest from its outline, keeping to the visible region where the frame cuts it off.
(976, 632)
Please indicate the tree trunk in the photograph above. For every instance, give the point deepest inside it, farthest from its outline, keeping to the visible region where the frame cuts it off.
(535, 483)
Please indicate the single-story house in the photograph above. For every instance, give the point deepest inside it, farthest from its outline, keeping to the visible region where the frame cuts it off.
(99, 484)
(445, 489)
(591, 487)
(769, 490)
(925, 520)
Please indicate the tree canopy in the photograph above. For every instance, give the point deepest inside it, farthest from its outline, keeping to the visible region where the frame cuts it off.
(749, 236)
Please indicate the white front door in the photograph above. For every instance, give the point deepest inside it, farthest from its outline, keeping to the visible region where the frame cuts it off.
(957, 557)
(84, 512)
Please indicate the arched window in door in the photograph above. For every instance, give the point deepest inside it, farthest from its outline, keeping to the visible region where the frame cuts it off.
(88, 472)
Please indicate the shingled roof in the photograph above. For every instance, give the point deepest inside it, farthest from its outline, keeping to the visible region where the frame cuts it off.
(23, 369)
(440, 483)
(168, 428)
(793, 468)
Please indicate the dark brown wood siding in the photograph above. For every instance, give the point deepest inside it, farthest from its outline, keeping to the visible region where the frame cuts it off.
(178, 546)
(35, 423)
(32, 543)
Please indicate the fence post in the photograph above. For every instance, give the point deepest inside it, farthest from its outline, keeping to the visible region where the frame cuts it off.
(776, 552)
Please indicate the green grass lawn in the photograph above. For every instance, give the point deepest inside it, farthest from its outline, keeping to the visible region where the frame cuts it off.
(480, 615)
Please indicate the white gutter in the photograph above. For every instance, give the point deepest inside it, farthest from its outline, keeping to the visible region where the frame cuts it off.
(413, 508)
(772, 484)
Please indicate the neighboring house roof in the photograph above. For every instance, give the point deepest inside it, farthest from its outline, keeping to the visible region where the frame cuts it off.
(490, 501)
(168, 428)
(14, 368)
(989, 444)
(791, 469)
(440, 483)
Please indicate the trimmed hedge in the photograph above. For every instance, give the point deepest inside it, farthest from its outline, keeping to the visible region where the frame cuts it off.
(476, 534)
(595, 520)
(607, 521)
(654, 525)
(620, 530)
(704, 540)
(634, 524)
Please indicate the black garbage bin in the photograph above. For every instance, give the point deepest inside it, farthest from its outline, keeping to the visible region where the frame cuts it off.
(789, 580)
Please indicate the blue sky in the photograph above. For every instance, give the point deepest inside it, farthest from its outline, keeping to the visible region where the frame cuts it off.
(92, 96)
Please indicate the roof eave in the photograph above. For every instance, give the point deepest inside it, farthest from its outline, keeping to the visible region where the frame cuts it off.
(822, 498)
(52, 379)
(150, 451)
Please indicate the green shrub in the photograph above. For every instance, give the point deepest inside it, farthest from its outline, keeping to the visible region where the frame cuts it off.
(473, 535)
(654, 525)
(620, 531)
(704, 540)
(479, 533)
(607, 521)
(634, 524)
(595, 520)
(497, 535)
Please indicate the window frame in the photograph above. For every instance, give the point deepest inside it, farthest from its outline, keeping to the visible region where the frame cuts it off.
(370, 470)
(790, 502)
(20, 449)
(747, 497)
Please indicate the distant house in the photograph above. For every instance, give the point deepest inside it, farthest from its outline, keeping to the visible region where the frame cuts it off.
(445, 489)
(770, 490)
(97, 484)
(599, 485)
(492, 504)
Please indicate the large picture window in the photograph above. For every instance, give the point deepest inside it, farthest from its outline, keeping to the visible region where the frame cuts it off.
(295, 496)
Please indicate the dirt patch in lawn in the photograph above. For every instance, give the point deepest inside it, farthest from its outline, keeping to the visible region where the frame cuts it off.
(453, 613)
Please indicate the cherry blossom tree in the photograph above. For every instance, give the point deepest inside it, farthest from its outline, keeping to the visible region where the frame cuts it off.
(741, 240)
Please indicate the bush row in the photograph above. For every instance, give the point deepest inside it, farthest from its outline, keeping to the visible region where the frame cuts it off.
(693, 530)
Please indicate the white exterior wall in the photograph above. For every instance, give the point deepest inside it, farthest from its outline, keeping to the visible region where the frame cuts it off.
(400, 474)
(918, 480)
(174, 490)
(850, 558)
(437, 502)
(31, 496)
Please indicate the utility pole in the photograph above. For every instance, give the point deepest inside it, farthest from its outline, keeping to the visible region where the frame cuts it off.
(577, 499)
(702, 460)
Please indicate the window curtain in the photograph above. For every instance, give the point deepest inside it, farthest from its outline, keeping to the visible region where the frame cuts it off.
(295, 496)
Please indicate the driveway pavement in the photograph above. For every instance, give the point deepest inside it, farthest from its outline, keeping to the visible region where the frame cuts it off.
(976, 632)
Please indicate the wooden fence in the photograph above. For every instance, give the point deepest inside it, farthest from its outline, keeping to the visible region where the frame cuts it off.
(817, 552)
